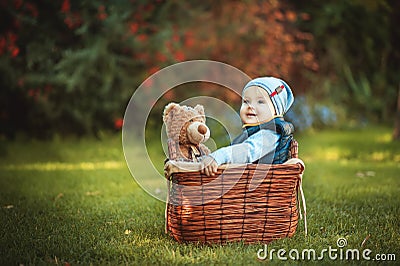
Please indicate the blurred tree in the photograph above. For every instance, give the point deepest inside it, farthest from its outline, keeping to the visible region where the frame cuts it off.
(71, 66)
(356, 43)
(258, 37)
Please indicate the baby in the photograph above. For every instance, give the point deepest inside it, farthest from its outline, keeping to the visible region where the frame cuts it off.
(266, 136)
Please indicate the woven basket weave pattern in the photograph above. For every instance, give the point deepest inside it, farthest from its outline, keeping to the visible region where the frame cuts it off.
(224, 208)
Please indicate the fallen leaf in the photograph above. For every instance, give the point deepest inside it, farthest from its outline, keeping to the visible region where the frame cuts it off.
(127, 232)
(365, 240)
(8, 206)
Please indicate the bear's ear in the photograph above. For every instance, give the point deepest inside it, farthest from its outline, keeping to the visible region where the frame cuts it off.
(168, 110)
(200, 109)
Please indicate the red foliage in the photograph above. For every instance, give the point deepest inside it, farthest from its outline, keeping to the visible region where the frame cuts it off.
(169, 95)
(8, 43)
(179, 56)
(142, 37)
(148, 83)
(31, 92)
(12, 37)
(66, 6)
(38, 93)
(118, 123)
(14, 51)
(189, 39)
(73, 20)
(258, 38)
(153, 70)
(133, 27)
(101, 15)
(160, 57)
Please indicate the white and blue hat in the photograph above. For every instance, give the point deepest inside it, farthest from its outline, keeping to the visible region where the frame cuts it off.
(278, 90)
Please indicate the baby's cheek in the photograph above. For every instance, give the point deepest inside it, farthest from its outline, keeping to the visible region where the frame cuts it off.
(242, 110)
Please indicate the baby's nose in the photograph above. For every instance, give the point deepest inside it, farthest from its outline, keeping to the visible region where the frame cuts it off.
(202, 129)
(251, 107)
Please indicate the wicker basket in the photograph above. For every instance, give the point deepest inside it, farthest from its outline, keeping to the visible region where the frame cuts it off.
(229, 207)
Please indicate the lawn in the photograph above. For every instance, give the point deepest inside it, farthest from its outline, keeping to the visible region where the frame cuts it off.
(75, 202)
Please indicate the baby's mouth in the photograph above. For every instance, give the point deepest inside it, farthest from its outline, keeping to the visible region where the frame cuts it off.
(251, 115)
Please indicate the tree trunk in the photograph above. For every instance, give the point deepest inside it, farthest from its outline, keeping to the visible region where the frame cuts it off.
(396, 132)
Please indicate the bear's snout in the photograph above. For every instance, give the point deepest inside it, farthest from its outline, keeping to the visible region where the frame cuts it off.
(197, 132)
(202, 129)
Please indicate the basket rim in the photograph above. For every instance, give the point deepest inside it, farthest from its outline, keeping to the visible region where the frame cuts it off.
(171, 167)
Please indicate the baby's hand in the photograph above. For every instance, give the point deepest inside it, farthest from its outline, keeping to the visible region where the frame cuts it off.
(209, 166)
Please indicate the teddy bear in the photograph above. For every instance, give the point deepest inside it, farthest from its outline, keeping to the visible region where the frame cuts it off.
(186, 131)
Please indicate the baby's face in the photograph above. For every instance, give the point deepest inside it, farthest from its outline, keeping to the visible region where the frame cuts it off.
(256, 106)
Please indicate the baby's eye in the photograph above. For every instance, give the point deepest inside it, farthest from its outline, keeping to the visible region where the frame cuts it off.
(191, 120)
(261, 102)
(245, 102)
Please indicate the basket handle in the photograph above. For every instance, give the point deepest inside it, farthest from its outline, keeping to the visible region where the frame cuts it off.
(300, 190)
(295, 161)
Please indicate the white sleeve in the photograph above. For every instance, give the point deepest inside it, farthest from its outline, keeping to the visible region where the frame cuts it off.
(252, 149)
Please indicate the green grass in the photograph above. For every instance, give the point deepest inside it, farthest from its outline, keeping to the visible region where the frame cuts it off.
(74, 201)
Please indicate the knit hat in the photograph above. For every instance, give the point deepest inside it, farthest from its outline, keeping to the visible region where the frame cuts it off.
(277, 89)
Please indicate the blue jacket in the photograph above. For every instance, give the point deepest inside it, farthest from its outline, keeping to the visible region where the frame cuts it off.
(283, 128)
